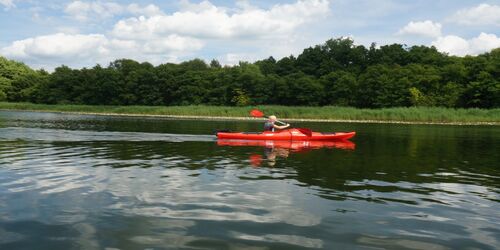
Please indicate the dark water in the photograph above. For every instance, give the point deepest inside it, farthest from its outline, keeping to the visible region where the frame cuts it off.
(88, 182)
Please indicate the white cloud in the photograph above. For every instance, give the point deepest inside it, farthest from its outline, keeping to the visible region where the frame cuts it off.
(7, 4)
(97, 10)
(172, 43)
(187, 6)
(425, 28)
(455, 45)
(158, 37)
(205, 20)
(149, 10)
(124, 44)
(84, 11)
(55, 46)
(483, 14)
(484, 42)
(55, 49)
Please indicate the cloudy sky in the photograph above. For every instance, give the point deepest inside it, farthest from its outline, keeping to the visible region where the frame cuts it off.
(46, 34)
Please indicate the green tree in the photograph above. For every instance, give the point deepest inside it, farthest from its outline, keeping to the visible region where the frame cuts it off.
(336, 72)
(418, 98)
(303, 90)
(279, 90)
(449, 95)
(23, 87)
(251, 80)
(427, 55)
(10, 70)
(390, 55)
(61, 87)
(214, 64)
(383, 86)
(267, 66)
(339, 88)
(286, 66)
(240, 98)
(312, 59)
(194, 65)
(482, 93)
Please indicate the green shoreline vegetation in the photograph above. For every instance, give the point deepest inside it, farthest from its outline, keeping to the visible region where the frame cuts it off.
(336, 80)
(435, 115)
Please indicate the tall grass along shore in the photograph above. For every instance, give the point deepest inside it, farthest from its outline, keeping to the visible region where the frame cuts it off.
(432, 115)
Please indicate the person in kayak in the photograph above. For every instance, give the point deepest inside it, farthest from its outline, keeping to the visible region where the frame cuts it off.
(270, 124)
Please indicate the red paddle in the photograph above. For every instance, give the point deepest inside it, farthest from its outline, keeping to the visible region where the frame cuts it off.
(258, 114)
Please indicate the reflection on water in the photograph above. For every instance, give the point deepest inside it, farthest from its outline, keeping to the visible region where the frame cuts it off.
(83, 182)
(295, 146)
(281, 149)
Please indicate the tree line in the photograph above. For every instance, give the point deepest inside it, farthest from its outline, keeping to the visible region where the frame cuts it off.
(337, 72)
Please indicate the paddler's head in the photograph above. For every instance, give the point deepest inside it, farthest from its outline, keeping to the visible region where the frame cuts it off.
(272, 118)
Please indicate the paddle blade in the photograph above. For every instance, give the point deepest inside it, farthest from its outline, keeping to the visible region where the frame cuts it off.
(305, 131)
(256, 113)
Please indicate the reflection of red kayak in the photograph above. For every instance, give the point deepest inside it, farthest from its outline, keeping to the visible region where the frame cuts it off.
(294, 145)
(286, 134)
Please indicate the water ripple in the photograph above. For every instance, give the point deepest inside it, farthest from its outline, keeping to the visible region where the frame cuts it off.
(133, 190)
(37, 134)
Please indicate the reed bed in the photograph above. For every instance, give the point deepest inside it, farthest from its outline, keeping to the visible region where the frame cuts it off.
(410, 114)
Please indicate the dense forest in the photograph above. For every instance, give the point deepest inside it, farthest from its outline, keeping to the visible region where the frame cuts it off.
(337, 72)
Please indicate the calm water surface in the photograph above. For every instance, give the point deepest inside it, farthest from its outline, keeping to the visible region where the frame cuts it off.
(91, 182)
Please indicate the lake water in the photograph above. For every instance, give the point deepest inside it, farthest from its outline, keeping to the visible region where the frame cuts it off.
(96, 182)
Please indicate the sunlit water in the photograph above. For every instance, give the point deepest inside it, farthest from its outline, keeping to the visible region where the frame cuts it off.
(90, 182)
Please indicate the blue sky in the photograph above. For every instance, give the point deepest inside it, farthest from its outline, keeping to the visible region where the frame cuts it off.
(46, 34)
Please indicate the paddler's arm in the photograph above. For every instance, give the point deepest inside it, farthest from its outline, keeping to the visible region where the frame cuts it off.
(281, 127)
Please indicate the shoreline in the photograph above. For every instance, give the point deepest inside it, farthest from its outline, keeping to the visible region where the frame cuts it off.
(240, 118)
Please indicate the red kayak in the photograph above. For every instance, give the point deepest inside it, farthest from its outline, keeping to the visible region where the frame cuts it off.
(286, 134)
